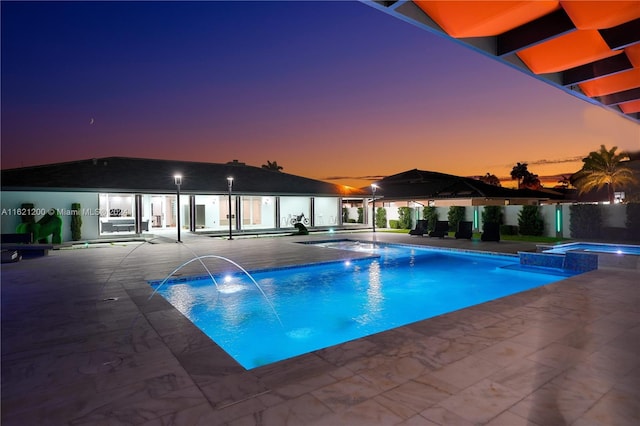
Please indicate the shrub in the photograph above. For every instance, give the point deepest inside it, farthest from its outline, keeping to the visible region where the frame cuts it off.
(381, 217)
(76, 222)
(430, 214)
(586, 221)
(455, 216)
(404, 217)
(492, 214)
(394, 224)
(345, 215)
(633, 221)
(530, 221)
(360, 215)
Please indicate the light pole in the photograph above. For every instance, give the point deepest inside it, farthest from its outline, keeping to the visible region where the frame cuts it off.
(178, 181)
(230, 185)
(373, 189)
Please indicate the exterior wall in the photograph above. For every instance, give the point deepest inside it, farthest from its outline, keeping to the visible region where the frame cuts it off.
(449, 203)
(61, 201)
(291, 208)
(326, 211)
(209, 214)
(613, 216)
(392, 211)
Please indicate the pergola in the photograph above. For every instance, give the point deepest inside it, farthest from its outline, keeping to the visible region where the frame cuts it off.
(588, 48)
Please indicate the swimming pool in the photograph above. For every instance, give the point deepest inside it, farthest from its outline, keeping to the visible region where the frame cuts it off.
(301, 309)
(625, 249)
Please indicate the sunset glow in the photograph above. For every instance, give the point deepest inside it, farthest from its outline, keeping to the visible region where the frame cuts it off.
(334, 91)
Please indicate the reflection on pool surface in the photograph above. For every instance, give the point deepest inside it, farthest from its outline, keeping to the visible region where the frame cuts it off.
(327, 304)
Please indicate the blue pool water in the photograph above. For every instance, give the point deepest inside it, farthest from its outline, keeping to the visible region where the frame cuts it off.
(316, 306)
(597, 248)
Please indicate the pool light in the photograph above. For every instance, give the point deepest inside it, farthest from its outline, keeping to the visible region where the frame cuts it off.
(373, 199)
(230, 185)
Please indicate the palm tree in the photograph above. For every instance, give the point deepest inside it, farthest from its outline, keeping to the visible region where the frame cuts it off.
(272, 166)
(603, 168)
(519, 172)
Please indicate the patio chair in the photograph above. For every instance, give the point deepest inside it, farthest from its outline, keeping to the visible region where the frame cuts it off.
(490, 232)
(420, 229)
(465, 230)
(441, 229)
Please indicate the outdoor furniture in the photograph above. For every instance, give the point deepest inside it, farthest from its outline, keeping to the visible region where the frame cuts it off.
(441, 229)
(9, 256)
(465, 230)
(27, 250)
(490, 231)
(420, 229)
(25, 238)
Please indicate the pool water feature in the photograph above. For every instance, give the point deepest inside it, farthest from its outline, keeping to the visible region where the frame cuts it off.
(623, 249)
(331, 303)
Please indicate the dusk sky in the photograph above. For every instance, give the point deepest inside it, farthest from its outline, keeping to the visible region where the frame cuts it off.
(336, 91)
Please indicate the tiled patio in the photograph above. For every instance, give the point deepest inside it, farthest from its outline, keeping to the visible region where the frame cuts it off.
(82, 344)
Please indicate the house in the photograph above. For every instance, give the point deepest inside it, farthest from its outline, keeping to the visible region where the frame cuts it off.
(441, 190)
(132, 196)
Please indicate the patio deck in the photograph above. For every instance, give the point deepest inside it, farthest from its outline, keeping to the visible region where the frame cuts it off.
(83, 344)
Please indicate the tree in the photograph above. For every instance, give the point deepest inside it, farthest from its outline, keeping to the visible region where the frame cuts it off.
(272, 166)
(430, 214)
(603, 168)
(525, 178)
(490, 179)
(518, 172)
(455, 216)
(381, 217)
(404, 217)
(492, 214)
(563, 182)
(531, 181)
(530, 221)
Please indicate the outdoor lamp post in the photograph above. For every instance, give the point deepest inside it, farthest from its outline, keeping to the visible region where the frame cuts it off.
(178, 181)
(230, 184)
(373, 189)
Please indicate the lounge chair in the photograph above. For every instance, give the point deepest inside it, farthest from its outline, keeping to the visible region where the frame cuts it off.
(420, 229)
(465, 230)
(490, 232)
(441, 230)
